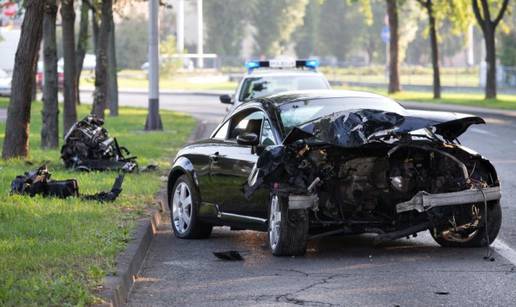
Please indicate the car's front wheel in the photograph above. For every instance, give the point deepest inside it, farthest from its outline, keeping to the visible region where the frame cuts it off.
(467, 226)
(184, 208)
(288, 229)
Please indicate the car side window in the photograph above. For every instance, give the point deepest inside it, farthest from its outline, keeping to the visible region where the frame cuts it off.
(248, 123)
(267, 137)
(222, 132)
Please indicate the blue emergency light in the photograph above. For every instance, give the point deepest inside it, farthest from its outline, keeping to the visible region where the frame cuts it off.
(311, 64)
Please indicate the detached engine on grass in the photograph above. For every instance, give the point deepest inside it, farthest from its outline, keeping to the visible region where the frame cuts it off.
(88, 147)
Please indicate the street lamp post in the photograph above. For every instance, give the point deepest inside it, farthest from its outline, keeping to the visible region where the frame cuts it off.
(153, 121)
(200, 36)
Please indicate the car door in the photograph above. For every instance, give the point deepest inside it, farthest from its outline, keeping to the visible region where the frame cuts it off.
(233, 163)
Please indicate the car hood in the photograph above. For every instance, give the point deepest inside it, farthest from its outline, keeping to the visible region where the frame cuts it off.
(353, 128)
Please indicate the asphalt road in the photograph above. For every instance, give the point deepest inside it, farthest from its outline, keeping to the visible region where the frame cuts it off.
(347, 271)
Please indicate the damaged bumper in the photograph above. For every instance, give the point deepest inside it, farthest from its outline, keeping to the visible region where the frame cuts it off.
(424, 201)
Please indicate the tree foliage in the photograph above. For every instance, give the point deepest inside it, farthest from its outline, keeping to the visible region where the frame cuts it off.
(274, 23)
(225, 25)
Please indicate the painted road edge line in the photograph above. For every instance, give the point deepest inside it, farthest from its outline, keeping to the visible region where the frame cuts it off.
(501, 248)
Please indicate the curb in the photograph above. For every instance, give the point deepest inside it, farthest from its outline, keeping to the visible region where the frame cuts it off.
(117, 287)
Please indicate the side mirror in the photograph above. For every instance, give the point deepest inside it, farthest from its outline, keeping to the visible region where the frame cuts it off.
(226, 99)
(247, 138)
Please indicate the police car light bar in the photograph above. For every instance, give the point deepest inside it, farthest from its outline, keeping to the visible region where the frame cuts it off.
(311, 64)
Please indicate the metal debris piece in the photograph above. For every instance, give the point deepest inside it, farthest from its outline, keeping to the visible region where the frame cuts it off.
(442, 292)
(38, 182)
(88, 147)
(229, 256)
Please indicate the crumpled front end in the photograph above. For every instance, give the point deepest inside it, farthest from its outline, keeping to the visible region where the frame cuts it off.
(373, 171)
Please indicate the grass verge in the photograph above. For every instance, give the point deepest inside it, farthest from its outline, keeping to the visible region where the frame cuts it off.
(505, 102)
(56, 252)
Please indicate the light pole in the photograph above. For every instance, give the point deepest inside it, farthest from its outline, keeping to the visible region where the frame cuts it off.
(153, 121)
(180, 26)
(200, 35)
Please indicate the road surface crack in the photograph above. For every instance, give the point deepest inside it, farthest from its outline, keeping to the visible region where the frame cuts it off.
(292, 299)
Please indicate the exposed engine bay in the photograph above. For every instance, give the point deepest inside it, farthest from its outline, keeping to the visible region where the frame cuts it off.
(394, 185)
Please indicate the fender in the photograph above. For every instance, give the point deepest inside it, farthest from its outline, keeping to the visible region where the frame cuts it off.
(181, 167)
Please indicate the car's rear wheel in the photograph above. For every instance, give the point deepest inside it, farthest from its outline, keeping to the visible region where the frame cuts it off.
(288, 229)
(184, 208)
(467, 226)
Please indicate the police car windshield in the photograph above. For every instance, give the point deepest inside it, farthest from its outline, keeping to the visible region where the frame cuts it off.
(256, 87)
(299, 112)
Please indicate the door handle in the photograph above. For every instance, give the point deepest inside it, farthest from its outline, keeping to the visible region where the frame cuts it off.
(215, 157)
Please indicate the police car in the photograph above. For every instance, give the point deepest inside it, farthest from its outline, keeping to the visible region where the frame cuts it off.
(266, 78)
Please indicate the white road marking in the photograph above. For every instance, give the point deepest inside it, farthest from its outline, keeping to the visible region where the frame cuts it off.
(504, 250)
(481, 131)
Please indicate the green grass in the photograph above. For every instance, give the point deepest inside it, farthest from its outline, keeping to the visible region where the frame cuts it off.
(505, 102)
(56, 252)
(183, 81)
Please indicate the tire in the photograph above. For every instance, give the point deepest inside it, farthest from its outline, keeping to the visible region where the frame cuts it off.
(288, 229)
(184, 208)
(478, 239)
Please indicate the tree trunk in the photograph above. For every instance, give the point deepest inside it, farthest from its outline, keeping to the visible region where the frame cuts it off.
(489, 38)
(435, 51)
(488, 26)
(94, 30)
(70, 84)
(101, 77)
(112, 73)
(82, 44)
(394, 65)
(16, 143)
(50, 120)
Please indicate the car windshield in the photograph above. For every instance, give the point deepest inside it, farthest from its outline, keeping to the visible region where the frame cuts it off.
(256, 87)
(299, 112)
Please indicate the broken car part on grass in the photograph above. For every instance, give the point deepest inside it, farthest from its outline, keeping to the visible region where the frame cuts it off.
(89, 147)
(381, 172)
(38, 182)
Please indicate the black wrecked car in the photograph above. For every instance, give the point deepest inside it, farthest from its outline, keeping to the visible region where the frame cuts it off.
(303, 165)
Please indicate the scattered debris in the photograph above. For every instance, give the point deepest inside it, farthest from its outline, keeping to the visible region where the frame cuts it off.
(149, 168)
(88, 147)
(38, 182)
(229, 256)
(442, 292)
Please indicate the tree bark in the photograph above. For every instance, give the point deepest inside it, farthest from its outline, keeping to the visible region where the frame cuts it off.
(489, 38)
(70, 84)
(16, 143)
(112, 95)
(434, 47)
(50, 119)
(94, 29)
(488, 27)
(82, 44)
(101, 77)
(394, 65)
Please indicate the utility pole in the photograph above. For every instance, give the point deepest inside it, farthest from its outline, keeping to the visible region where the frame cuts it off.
(180, 26)
(200, 35)
(153, 118)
